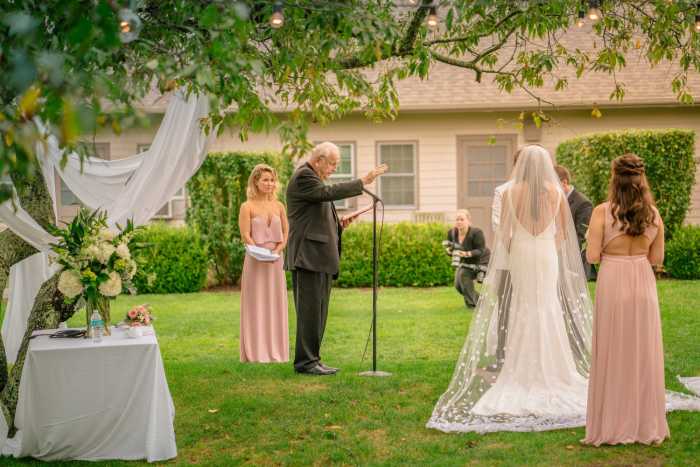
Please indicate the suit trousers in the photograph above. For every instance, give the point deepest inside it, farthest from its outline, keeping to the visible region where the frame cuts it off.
(312, 291)
(464, 283)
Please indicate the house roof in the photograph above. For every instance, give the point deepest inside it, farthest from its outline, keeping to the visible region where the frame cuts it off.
(452, 88)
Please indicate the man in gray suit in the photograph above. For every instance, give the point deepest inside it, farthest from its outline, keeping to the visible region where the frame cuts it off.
(314, 246)
(581, 210)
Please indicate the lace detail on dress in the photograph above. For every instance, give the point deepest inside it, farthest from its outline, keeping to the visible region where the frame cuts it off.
(464, 421)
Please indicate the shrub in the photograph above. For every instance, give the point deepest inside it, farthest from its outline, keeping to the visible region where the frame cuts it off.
(667, 155)
(683, 253)
(216, 192)
(175, 258)
(410, 255)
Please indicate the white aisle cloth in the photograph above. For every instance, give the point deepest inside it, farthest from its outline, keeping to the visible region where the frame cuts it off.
(80, 400)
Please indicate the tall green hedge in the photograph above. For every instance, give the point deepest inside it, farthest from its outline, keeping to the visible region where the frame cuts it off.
(410, 255)
(175, 260)
(683, 253)
(216, 193)
(668, 156)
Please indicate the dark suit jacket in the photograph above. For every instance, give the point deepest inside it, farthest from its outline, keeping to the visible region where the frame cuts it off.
(581, 210)
(473, 242)
(314, 228)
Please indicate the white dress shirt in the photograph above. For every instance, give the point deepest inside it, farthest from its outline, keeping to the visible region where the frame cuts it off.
(497, 204)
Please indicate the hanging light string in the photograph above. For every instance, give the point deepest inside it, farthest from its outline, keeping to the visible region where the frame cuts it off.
(277, 17)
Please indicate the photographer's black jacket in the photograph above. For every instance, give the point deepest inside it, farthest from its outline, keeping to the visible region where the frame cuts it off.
(473, 242)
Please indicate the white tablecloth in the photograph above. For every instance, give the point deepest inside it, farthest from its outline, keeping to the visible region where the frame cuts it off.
(80, 400)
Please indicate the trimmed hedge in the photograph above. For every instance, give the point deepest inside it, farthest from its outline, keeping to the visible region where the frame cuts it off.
(667, 155)
(683, 253)
(175, 260)
(216, 192)
(410, 255)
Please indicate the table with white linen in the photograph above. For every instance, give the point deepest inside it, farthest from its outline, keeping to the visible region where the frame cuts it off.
(94, 401)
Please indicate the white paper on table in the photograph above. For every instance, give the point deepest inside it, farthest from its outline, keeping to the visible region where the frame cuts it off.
(261, 254)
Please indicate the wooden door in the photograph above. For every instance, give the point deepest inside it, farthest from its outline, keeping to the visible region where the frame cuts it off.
(482, 164)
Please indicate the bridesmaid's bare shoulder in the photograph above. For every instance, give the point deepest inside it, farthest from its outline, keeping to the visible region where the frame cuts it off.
(245, 207)
(281, 207)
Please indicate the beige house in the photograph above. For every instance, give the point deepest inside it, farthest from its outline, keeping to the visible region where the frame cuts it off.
(453, 140)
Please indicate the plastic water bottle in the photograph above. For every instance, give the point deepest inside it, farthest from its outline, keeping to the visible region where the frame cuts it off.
(96, 326)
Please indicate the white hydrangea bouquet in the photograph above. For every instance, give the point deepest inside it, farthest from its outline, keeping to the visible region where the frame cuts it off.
(97, 262)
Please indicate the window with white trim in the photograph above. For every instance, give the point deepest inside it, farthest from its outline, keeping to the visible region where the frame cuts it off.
(100, 150)
(345, 170)
(166, 211)
(397, 187)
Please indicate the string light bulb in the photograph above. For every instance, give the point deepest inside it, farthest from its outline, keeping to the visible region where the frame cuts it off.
(129, 25)
(413, 2)
(594, 13)
(581, 18)
(432, 19)
(277, 17)
(697, 21)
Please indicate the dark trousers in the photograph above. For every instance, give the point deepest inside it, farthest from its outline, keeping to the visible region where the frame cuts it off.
(312, 291)
(505, 292)
(464, 283)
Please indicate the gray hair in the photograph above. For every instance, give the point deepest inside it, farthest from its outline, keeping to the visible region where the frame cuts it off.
(324, 150)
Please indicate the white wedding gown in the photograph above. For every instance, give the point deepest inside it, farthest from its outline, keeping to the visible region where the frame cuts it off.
(539, 375)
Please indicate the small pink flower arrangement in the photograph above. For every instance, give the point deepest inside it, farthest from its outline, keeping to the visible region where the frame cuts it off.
(139, 315)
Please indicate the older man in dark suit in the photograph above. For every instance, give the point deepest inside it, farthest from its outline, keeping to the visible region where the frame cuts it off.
(313, 249)
(581, 210)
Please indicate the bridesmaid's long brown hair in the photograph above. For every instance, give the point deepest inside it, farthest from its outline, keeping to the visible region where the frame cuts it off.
(631, 202)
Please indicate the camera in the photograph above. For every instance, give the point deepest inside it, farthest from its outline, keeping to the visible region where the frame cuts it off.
(453, 249)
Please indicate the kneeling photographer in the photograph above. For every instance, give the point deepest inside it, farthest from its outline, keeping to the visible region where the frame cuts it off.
(467, 247)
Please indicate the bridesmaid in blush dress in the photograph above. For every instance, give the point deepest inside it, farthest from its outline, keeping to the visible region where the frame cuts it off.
(626, 392)
(264, 333)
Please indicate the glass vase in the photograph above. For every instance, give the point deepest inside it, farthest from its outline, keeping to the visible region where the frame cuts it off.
(102, 306)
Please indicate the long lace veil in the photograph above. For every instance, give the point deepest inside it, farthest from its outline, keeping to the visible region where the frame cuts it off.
(535, 212)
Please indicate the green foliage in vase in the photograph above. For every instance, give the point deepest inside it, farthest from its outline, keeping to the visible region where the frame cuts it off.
(96, 261)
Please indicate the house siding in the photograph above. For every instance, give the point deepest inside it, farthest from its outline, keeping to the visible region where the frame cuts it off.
(436, 135)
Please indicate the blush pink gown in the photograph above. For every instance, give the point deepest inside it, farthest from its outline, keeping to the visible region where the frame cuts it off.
(626, 392)
(264, 333)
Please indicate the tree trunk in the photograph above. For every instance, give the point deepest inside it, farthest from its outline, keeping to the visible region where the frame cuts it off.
(48, 309)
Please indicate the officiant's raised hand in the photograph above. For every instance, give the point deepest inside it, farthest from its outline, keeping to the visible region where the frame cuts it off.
(376, 172)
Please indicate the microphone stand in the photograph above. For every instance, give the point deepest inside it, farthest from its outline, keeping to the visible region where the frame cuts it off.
(375, 285)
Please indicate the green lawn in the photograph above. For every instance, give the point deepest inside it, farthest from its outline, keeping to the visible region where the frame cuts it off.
(229, 413)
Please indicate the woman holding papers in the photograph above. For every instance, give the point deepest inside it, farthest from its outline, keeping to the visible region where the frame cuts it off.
(263, 222)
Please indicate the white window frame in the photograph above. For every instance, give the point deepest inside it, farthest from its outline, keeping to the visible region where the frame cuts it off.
(345, 203)
(169, 215)
(397, 174)
(181, 193)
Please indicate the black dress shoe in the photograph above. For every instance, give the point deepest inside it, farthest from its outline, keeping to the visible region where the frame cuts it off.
(326, 367)
(317, 370)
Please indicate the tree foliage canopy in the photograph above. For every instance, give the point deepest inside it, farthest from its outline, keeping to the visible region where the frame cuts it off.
(67, 62)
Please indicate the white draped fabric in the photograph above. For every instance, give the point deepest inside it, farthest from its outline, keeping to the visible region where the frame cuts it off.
(26, 278)
(132, 188)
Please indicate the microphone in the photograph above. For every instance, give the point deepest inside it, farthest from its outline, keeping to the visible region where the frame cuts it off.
(375, 197)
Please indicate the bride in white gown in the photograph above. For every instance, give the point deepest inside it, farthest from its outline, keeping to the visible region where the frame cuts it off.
(541, 382)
